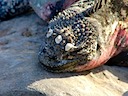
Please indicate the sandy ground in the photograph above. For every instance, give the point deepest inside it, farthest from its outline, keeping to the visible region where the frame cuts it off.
(21, 74)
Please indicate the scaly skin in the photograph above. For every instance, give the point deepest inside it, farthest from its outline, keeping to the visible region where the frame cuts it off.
(11, 8)
(85, 36)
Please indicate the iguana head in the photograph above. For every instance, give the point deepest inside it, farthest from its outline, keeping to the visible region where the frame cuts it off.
(77, 43)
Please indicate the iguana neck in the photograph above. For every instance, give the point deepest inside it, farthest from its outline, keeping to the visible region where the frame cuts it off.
(118, 7)
(109, 16)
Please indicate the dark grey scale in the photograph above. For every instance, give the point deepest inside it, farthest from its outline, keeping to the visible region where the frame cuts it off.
(78, 31)
(11, 8)
(63, 20)
(88, 40)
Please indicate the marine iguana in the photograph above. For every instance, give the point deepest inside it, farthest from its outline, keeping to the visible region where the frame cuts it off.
(48, 9)
(85, 35)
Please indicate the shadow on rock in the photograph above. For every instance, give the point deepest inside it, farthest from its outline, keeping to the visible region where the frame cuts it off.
(109, 72)
(22, 93)
(121, 60)
(125, 94)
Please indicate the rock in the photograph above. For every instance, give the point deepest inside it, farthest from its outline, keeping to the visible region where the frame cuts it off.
(21, 74)
(103, 81)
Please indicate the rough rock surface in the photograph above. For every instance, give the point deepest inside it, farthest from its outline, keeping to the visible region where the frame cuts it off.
(21, 75)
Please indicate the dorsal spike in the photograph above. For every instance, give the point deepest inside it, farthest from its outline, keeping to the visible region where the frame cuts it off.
(97, 5)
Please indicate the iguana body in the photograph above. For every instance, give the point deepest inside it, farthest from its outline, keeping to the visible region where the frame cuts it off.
(85, 36)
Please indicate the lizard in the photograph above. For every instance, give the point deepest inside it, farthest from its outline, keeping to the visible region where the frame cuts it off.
(85, 35)
(48, 9)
